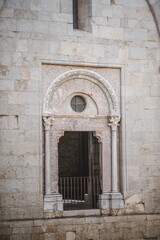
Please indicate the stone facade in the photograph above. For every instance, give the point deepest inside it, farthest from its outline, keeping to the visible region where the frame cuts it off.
(120, 42)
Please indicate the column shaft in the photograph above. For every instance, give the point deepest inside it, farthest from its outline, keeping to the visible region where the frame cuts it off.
(47, 163)
(114, 165)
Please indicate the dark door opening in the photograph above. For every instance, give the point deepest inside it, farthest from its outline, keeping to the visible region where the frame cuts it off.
(79, 170)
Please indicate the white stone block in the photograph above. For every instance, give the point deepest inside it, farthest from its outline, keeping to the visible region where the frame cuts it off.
(32, 110)
(7, 44)
(23, 13)
(97, 50)
(103, 32)
(8, 122)
(135, 3)
(96, 10)
(100, 20)
(106, 11)
(118, 11)
(134, 65)
(5, 72)
(49, 5)
(14, 98)
(155, 92)
(31, 160)
(58, 28)
(136, 34)
(24, 25)
(29, 98)
(66, 6)
(39, 46)
(31, 173)
(69, 48)
(149, 65)
(133, 171)
(63, 17)
(6, 85)
(12, 185)
(118, 33)
(153, 35)
(25, 73)
(28, 122)
(5, 58)
(130, 12)
(111, 51)
(7, 12)
(35, 4)
(45, 15)
(158, 54)
(17, 58)
(137, 53)
(29, 59)
(142, 14)
(54, 47)
(18, 4)
(41, 26)
(7, 24)
(16, 72)
(22, 45)
(113, 22)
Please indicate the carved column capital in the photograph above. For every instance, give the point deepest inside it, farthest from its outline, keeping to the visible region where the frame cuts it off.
(114, 122)
(47, 122)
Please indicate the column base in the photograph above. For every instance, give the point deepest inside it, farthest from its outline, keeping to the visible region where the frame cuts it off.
(53, 203)
(111, 201)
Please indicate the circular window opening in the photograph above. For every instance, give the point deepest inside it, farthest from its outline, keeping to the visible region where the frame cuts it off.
(78, 103)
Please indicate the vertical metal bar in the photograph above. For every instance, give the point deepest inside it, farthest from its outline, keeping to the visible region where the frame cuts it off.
(67, 188)
(81, 188)
(93, 192)
(71, 187)
(78, 189)
(74, 190)
(64, 187)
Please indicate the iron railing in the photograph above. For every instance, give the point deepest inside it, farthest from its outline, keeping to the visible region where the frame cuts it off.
(79, 192)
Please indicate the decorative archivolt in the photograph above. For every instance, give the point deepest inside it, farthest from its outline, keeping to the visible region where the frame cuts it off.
(95, 78)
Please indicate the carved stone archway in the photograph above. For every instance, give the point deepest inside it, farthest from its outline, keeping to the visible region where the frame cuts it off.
(103, 84)
(55, 126)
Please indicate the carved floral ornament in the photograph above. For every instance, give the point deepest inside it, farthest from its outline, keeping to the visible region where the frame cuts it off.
(101, 82)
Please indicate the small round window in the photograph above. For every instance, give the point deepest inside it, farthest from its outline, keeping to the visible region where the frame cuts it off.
(78, 103)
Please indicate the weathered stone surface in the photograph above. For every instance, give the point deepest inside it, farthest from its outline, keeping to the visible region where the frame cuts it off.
(123, 46)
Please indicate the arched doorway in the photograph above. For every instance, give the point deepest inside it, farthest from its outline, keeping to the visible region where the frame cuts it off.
(81, 101)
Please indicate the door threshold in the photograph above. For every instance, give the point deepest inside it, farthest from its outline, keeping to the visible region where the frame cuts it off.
(84, 212)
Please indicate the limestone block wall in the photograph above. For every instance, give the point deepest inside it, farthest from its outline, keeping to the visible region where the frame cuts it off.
(124, 35)
(138, 227)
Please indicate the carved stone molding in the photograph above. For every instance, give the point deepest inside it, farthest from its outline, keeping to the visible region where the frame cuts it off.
(47, 122)
(98, 135)
(114, 122)
(101, 82)
(56, 135)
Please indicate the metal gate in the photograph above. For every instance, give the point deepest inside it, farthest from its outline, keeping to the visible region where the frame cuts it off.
(79, 192)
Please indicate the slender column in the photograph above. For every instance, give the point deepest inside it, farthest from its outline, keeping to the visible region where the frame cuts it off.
(47, 121)
(113, 123)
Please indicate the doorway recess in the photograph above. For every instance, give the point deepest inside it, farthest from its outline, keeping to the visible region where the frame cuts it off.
(79, 170)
